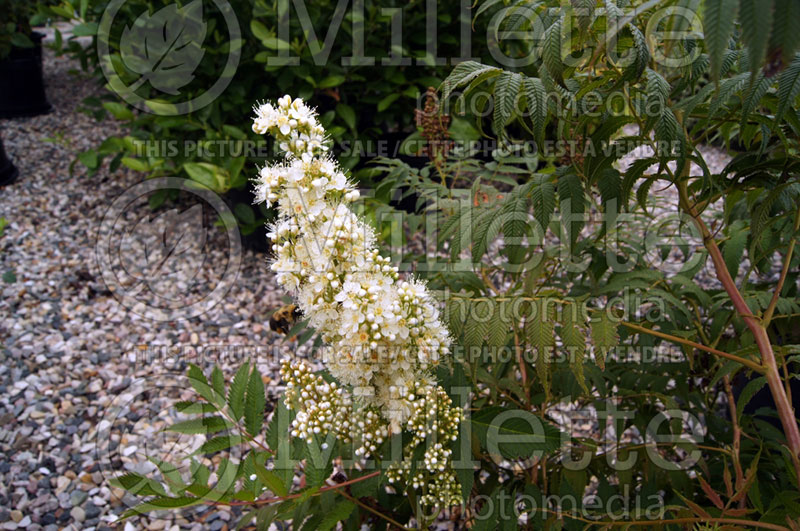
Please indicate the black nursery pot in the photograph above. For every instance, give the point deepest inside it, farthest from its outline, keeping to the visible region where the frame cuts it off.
(8, 172)
(22, 82)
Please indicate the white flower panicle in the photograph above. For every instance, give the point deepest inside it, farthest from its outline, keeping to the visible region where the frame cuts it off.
(324, 407)
(434, 423)
(384, 332)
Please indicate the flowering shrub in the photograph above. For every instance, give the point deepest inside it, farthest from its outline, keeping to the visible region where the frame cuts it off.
(605, 384)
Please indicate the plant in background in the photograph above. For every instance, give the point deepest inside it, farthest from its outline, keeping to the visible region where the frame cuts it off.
(9, 277)
(15, 29)
(204, 145)
(360, 101)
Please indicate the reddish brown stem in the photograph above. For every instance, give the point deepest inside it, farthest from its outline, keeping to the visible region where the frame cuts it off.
(782, 404)
(761, 337)
(737, 437)
(744, 361)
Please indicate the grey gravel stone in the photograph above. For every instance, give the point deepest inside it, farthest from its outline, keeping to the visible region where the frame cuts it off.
(78, 497)
(78, 514)
(92, 510)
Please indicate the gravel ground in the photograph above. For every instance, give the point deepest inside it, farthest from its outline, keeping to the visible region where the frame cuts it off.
(78, 400)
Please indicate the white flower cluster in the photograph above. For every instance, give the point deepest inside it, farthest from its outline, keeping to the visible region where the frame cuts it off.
(384, 332)
(324, 407)
(297, 124)
(434, 423)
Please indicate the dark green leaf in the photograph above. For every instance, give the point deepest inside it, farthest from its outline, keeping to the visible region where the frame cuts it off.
(244, 213)
(540, 334)
(506, 90)
(198, 381)
(205, 425)
(331, 81)
(604, 335)
(318, 466)
(733, 249)
(339, 512)
(387, 101)
(255, 401)
(347, 114)
(138, 485)
(610, 185)
(572, 203)
(515, 434)
(271, 480)
(89, 159)
(749, 391)
(367, 487)
(118, 110)
(788, 88)
(236, 391)
(220, 443)
(718, 23)
(543, 195)
(463, 74)
(553, 60)
(218, 381)
(574, 340)
(536, 97)
(756, 20)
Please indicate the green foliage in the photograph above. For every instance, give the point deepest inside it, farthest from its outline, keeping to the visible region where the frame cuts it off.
(506, 89)
(740, 91)
(254, 403)
(604, 335)
(342, 68)
(15, 28)
(528, 437)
